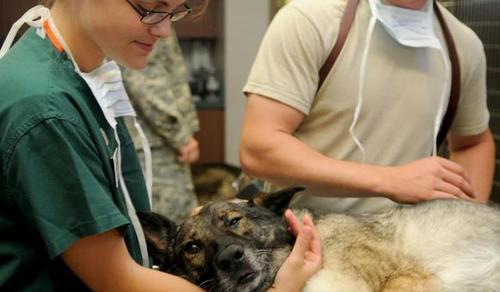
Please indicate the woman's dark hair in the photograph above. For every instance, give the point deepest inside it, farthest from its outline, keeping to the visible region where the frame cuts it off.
(198, 6)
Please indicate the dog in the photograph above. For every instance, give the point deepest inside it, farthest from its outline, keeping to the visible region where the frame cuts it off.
(221, 181)
(440, 245)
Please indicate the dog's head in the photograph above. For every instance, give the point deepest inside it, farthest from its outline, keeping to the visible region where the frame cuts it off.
(228, 246)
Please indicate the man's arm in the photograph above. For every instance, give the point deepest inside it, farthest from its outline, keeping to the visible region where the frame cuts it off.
(269, 150)
(103, 263)
(477, 156)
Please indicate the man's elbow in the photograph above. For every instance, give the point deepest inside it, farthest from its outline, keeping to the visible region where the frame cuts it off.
(249, 161)
(259, 154)
(257, 157)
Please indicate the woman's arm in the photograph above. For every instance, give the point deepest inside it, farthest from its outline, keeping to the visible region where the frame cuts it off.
(103, 263)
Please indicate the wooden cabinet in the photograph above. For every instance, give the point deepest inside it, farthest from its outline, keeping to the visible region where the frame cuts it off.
(10, 11)
(206, 29)
(211, 135)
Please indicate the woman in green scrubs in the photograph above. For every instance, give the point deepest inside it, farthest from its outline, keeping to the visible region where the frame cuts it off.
(70, 180)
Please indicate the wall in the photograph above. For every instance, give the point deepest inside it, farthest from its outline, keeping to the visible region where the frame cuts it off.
(245, 22)
(10, 11)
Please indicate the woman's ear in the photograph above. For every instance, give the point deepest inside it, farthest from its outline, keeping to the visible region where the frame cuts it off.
(277, 201)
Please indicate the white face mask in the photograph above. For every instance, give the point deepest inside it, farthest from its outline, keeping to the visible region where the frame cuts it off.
(106, 85)
(410, 28)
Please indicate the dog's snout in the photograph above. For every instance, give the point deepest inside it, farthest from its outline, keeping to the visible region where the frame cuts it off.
(230, 257)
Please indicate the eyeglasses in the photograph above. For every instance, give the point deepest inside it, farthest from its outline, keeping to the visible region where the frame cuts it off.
(154, 17)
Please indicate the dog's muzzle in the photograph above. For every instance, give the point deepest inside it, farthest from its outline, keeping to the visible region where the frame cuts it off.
(232, 261)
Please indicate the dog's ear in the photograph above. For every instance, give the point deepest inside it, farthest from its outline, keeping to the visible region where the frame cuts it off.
(276, 201)
(160, 236)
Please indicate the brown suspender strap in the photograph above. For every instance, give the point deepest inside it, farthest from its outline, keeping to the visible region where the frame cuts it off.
(345, 26)
(455, 79)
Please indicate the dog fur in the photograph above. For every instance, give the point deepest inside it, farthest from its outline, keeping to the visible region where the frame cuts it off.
(441, 245)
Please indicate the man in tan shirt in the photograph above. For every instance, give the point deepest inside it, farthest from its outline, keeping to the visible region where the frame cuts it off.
(364, 140)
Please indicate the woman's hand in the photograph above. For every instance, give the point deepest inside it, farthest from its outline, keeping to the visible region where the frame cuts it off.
(304, 260)
(190, 152)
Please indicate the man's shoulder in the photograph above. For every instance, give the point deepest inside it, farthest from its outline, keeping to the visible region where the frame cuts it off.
(320, 18)
(467, 42)
(311, 5)
(319, 9)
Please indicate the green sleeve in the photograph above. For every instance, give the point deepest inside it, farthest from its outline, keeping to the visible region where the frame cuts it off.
(56, 179)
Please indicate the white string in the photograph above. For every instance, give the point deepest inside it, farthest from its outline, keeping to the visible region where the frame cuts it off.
(361, 86)
(33, 17)
(148, 161)
(130, 207)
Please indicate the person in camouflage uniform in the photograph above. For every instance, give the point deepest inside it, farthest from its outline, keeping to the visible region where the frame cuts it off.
(161, 95)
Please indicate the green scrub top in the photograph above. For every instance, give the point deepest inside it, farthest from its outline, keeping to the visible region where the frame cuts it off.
(57, 183)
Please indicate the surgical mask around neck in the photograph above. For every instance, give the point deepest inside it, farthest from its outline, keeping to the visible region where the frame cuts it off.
(410, 28)
(106, 85)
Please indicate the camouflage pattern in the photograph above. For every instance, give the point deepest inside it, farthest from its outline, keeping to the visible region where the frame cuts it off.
(162, 98)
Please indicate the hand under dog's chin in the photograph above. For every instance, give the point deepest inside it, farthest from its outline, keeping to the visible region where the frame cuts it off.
(258, 276)
(250, 282)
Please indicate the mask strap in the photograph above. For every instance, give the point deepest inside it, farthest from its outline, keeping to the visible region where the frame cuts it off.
(130, 206)
(361, 87)
(34, 18)
(148, 161)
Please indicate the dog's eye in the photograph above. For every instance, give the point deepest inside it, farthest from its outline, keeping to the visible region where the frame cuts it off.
(192, 247)
(233, 222)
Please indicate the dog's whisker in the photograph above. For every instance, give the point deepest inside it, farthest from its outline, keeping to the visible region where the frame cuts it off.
(206, 284)
(263, 251)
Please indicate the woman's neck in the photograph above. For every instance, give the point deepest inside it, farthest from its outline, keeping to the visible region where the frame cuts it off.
(86, 53)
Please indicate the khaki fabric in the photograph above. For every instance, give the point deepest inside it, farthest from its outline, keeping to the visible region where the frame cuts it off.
(400, 100)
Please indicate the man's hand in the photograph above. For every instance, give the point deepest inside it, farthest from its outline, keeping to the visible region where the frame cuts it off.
(190, 152)
(428, 178)
(304, 260)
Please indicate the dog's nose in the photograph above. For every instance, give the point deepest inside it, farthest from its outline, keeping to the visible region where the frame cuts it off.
(230, 258)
